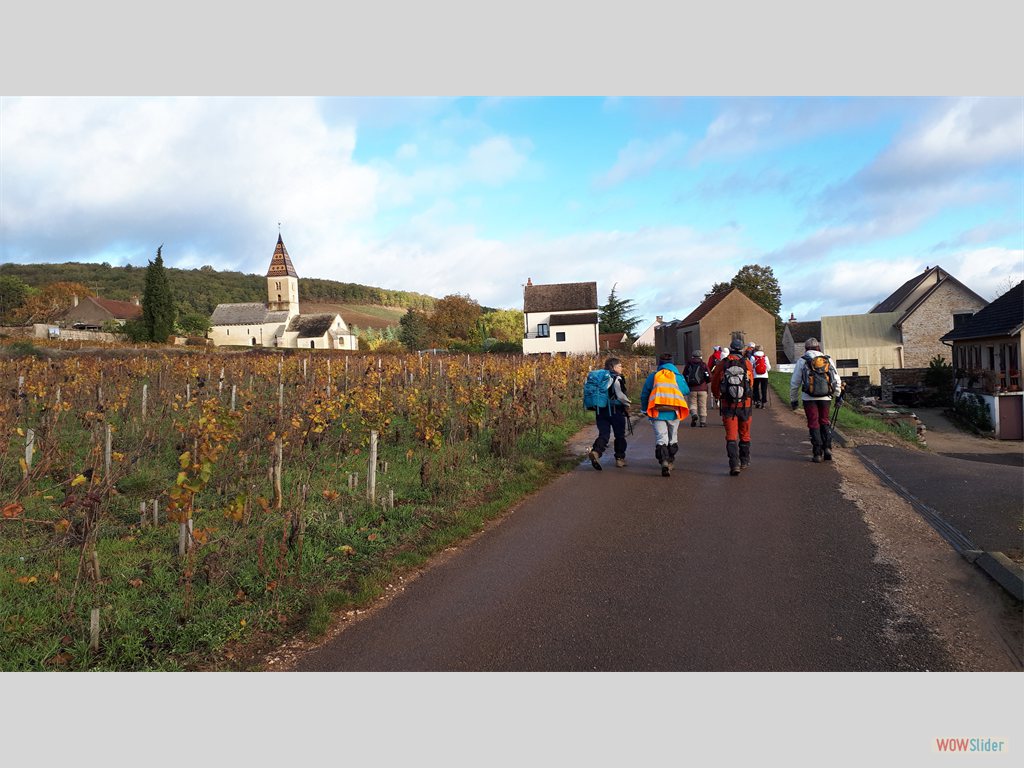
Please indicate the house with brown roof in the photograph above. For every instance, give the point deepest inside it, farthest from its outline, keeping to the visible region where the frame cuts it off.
(92, 313)
(718, 320)
(609, 341)
(278, 323)
(904, 330)
(560, 318)
(986, 352)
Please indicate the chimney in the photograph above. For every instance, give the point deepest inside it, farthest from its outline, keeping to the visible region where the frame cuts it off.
(529, 282)
(658, 320)
(791, 318)
(74, 300)
(135, 300)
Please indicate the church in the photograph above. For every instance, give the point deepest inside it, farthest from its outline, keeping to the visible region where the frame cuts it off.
(278, 323)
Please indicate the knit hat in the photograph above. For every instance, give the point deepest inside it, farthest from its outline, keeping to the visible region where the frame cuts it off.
(697, 353)
(812, 343)
(736, 345)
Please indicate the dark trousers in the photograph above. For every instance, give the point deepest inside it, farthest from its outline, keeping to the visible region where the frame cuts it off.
(760, 390)
(606, 423)
(816, 412)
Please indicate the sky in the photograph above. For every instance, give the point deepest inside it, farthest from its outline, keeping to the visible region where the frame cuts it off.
(844, 198)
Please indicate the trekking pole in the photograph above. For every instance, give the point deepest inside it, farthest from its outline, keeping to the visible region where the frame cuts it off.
(835, 411)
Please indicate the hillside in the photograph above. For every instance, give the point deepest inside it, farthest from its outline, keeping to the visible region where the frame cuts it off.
(201, 290)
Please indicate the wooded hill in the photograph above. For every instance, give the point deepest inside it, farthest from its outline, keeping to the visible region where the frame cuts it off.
(201, 290)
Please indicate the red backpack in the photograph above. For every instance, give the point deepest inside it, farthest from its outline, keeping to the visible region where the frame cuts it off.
(760, 364)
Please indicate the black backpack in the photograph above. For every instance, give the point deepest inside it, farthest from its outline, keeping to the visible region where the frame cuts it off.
(735, 386)
(694, 373)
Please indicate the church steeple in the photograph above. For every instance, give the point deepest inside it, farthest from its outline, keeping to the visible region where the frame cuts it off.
(282, 282)
(281, 263)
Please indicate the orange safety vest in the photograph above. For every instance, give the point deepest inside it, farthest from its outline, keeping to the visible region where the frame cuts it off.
(666, 396)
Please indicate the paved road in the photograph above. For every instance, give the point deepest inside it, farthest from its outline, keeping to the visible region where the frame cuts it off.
(626, 570)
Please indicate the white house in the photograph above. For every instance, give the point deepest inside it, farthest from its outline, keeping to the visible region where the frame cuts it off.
(646, 339)
(278, 323)
(560, 318)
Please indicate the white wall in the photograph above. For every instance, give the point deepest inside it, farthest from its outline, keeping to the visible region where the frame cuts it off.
(579, 340)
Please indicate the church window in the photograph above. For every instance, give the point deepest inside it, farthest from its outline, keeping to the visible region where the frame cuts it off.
(279, 297)
(279, 288)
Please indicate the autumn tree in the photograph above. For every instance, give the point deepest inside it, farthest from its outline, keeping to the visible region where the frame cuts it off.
(454, 317)
(157, 301)
(49, 303)
(616, 316)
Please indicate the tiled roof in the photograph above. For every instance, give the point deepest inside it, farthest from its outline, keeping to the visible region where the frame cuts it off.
(605, 340)
(1003, 317)
(281, 263)
(240, 314)
(560, 297)
(311, 326)
(803, 331)
(702, 310)
(584, 318)
(121, 310)
(945, 277)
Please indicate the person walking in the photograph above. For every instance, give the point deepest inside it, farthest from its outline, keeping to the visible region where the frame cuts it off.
(697, 375)
(732, 382)
(613, 417)
(815, 380)
(663, 399)
(761, 365)
(716, 355)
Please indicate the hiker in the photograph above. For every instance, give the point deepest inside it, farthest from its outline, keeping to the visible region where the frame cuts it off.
(697, 376)
(716, 355)
(732, 382)
(608, 398)
(815, 378)
(761, 365)
(663, 399)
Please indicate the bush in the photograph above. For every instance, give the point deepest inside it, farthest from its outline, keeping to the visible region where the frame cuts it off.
(506, 348)
(972, 409)
(24, 349)
(939, 377)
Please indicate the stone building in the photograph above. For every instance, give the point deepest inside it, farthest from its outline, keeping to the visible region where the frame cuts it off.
(717, 321)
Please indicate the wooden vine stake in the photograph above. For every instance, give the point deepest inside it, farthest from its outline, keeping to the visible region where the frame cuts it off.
(328, 377)
(234, 392)
(107, 445)
(278, 461)
(156, 513)
(371, 476)
(94, 630)
(30, 449)
(145, 397)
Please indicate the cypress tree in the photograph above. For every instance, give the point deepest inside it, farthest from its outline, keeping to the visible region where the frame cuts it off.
(157, 301)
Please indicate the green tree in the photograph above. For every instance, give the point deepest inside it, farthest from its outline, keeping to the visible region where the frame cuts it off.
(505, 325)
(717, 288)
(760, 286)
(194, 324)
(13, 293)
(616, 315)
(413, 331)
(157, 301)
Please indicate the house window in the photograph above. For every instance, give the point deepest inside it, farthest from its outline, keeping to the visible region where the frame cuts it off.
(559, 335)
(959, 318)
(543, 331)
(279, 297)
(227, 331)
(851, 362)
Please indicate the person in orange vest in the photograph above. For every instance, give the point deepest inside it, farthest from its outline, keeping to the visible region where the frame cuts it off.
(663, 399)
(732, 382)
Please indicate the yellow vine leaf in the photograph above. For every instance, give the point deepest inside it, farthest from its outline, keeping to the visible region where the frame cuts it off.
(78, 480)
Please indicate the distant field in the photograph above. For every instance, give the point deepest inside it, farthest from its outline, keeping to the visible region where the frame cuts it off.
(362, 315)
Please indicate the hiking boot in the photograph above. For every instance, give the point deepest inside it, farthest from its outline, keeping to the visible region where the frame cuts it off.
(744, 454)
(693, 422)
(620, 462)
(826, 442)
(595, 460)
(732, 450)
(666, 469)
(703, 423)
(815, 445)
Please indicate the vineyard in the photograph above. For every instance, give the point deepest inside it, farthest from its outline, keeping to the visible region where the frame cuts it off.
(171, 512)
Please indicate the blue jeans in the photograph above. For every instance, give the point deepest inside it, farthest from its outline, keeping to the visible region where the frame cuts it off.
(606, 423)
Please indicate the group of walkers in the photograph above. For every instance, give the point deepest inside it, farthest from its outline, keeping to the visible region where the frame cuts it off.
(734, 379)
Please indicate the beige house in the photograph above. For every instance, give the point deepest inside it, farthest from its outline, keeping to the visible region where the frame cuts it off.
(717, 321)
(560, 319)
(904, 330)
(278, 323)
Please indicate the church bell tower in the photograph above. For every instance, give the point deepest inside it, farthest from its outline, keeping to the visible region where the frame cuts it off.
(282, 282)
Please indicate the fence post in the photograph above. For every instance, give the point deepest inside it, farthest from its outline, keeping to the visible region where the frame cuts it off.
(106, 453)
(145, 397)
(371, 475)
(94, 630)
(30, 449)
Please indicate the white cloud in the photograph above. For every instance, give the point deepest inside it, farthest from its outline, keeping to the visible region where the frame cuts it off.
(638, 158)
(407, 152)
(496, 160)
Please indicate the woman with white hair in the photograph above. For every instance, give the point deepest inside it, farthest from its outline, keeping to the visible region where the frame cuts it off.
(816, 379)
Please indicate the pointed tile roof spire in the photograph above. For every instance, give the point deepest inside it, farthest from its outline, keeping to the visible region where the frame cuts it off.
(281, 263)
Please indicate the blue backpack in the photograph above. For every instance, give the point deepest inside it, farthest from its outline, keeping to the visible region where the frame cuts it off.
(595, 390)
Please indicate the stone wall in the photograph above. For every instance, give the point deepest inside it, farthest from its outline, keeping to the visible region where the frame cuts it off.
(859, 386)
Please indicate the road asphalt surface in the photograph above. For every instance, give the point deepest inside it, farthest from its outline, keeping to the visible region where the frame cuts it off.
(624, 569)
